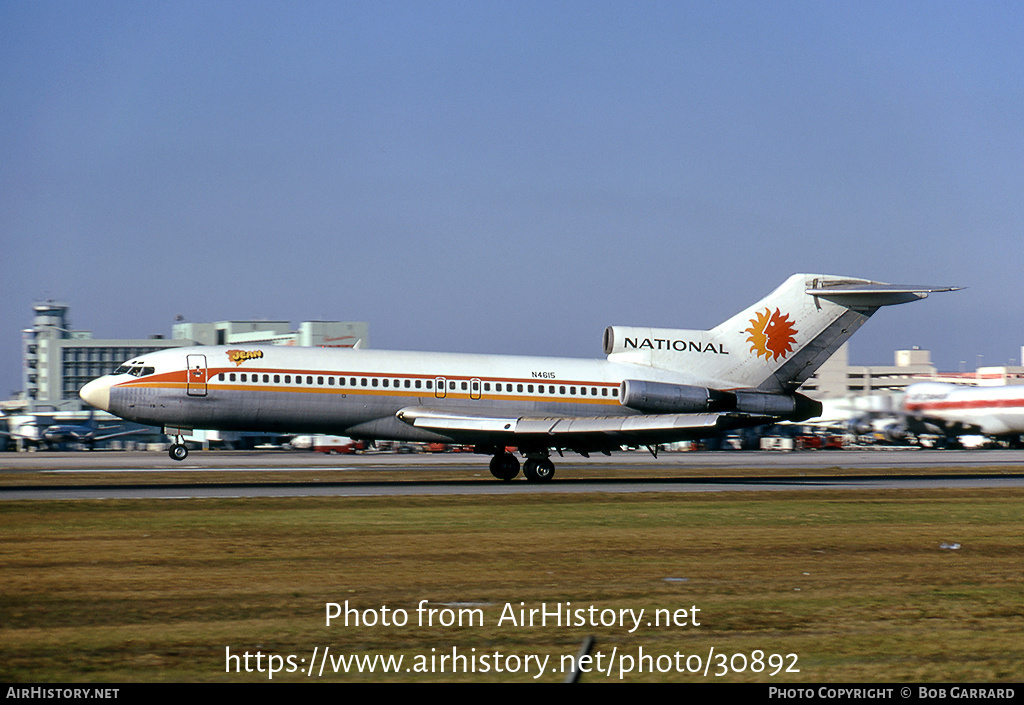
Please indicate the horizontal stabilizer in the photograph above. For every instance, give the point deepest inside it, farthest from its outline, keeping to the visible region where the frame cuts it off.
(860, 294)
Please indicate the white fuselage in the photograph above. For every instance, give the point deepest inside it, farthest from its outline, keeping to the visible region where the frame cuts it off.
(994, 411)
(355, 392)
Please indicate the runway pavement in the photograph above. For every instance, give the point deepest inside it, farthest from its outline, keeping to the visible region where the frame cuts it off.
(115, 474)
(278, 460)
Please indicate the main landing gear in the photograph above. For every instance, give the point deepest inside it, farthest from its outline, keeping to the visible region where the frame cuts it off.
(504, 466)
(178, 451)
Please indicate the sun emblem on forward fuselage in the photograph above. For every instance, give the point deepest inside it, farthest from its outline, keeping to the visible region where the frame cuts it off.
(771, 334)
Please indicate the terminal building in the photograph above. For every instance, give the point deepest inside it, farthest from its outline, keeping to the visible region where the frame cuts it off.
(838, 379)
(57, 361)
(319, 334)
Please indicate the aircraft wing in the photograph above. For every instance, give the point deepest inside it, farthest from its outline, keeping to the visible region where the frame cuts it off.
(118, 434)
(567, 431)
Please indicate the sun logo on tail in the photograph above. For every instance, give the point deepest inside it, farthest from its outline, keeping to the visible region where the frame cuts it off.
(771, 335)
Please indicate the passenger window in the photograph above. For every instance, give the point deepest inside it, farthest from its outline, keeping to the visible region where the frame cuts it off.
(277, 379)
(375, 382)
(465, 386)
(529, 388)
(363, 382)
(385, 383)
(232, 377)
(418, 384)
(320, 380)
(287, 379)
(519, 387)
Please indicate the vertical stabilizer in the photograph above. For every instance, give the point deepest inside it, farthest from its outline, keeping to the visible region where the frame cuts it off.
(774, 345)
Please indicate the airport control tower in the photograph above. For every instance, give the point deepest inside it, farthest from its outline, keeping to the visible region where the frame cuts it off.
(57, 361)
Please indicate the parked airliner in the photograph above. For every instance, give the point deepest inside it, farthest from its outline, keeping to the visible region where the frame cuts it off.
(957, 410)
(655, 386)
(53, 436)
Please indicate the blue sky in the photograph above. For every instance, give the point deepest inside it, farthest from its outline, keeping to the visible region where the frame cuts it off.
(510, 177)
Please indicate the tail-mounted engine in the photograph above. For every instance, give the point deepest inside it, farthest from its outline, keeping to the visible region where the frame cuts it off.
(661, 398)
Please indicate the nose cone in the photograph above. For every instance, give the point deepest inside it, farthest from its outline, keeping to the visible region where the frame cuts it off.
(97, 393)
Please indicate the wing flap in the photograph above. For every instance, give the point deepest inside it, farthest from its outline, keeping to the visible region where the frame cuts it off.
(438, 420)
(558, 426)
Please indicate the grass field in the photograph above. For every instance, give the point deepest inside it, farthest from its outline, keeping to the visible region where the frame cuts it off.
(857, 585)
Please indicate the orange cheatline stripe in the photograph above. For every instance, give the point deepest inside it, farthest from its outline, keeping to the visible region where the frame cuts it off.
(376, 391)
(966, 404)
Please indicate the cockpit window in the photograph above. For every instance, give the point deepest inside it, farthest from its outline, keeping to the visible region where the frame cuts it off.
(134, 370)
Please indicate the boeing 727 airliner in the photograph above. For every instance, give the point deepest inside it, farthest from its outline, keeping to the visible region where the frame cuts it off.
(656, 385)
(954, 410)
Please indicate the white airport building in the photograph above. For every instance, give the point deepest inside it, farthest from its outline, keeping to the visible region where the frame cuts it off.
(58, 360)
(838, 379)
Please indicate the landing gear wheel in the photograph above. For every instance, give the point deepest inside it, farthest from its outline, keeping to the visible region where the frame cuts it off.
(539, 470)
(504, 466)
(178, 451)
